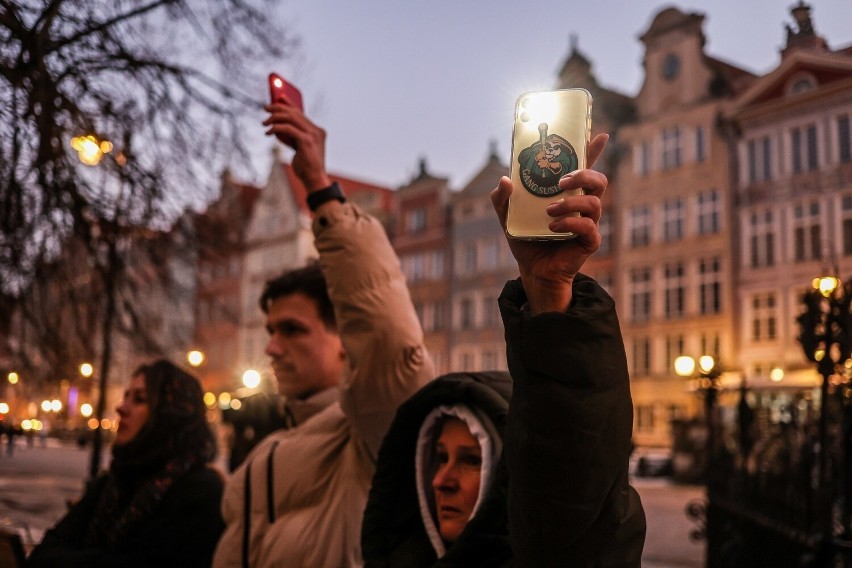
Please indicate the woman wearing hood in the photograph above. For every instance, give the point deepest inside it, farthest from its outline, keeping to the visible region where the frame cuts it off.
(464, 481)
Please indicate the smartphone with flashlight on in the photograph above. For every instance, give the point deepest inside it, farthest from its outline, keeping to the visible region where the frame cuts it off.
(281, 91)
(550, 137)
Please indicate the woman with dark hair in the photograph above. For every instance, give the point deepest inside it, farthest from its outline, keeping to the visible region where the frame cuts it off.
(158, 505)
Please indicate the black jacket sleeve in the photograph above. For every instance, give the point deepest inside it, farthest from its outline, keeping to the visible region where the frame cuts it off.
(568, 434)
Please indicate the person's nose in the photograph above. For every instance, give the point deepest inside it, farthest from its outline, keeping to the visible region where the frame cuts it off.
(445, 479)
(274, 347)
(121, 409)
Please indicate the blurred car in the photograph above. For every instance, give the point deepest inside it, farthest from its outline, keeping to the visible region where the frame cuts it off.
(651, 462)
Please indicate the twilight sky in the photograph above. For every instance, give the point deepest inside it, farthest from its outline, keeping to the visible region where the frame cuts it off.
(395, 80)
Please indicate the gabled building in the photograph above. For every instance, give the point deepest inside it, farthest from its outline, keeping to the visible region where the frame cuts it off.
(421, 238)
(793, 199)
(481, 265)
(221, 232)
(675, 201)
(610, 111)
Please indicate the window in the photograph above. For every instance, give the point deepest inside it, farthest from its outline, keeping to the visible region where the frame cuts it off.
(640, 294)
(490, 254)
(675, 289)
(605, 229)
(470, 257)
(467, 362)
(846, 212)
(807, 233)
(711, 345)
(644, 418)
(415, 220)
(762, 241)
(466, 308)
(673, 212)
(710, 285)
(640, 226)
(759, 160)
(645, 158)
(709, 212)
(671, 148)
(436, 264)
(763, 319)
(803, 144)
(642, 356)
(489, 359)
(489, 312)
(700, 145)
(844, 139)
(674, 349)
(418, 267)
(439, 314)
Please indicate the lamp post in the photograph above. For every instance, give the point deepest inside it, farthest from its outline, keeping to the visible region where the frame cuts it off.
(706, 379)
(91, 151)
(825, 326)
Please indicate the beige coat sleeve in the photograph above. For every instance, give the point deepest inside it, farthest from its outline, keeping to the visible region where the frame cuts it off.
(378, 326)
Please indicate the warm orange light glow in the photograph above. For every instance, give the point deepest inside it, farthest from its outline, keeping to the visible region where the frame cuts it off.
(90, 150)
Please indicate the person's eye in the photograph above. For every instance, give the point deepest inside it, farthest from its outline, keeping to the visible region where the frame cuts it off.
(442, 457)
(472, 460)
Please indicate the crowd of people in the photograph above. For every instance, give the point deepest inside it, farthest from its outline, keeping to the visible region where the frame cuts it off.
(379, 462)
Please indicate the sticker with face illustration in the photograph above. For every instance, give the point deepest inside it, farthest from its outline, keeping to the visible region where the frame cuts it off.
(544, 162)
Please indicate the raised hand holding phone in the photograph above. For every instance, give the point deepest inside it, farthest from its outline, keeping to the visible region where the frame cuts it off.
(281, 91)
(549, 140)
(288, 123)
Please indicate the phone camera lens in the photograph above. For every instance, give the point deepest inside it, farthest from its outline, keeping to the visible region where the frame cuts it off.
(525, 117)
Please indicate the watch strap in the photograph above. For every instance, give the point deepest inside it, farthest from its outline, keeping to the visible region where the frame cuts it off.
(317, 198)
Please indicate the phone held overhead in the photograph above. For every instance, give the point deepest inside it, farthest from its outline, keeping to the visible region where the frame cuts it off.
(550, 137)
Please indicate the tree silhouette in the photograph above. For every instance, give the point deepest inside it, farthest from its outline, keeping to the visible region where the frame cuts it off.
(161, 80)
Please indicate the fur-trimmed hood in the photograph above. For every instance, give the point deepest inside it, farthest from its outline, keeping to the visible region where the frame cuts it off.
(394, 533)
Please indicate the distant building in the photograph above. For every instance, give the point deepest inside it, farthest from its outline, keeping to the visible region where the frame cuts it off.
(675, 201)
(481, 265)
(793, 200)
(421, 238)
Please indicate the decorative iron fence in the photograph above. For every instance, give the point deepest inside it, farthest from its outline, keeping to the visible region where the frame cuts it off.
(772, 500)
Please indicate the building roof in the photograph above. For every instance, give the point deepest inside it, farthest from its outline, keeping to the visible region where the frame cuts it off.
(352, 187)
(485, 179)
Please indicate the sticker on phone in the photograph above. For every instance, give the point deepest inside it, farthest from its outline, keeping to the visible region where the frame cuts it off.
(544, 162)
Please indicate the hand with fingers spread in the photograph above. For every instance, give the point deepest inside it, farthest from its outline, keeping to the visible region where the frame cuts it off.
(292, 127)
(548, 268)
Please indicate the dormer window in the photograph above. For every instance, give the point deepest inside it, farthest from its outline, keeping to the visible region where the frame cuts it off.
(800, 83)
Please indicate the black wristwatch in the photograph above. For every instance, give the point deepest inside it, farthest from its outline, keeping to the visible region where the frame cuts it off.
(317, 198)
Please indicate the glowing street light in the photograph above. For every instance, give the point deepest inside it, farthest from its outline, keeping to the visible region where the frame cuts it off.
(13, 378)
(195, 358)
(90, 150)
(87, 370)
(86, 409)
(251, 378)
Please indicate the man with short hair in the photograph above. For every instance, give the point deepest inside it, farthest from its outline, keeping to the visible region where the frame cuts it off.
(346, 350)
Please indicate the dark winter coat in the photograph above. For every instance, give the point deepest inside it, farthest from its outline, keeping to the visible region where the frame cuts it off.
(182, 531)
(561, 495)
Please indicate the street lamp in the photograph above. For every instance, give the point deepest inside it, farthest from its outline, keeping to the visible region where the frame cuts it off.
(251, 379)
(706, 380)
(90, 150)
(86, 370)
(195, 358)
(825, 335)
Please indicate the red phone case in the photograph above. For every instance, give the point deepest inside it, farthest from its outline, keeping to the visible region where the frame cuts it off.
(282, 91)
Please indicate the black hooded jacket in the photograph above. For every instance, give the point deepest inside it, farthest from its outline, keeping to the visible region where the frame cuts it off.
(560, 496)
